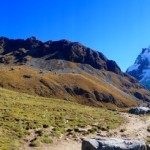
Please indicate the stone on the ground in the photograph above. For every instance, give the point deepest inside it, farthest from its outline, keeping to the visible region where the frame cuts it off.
(139, 110)
(112, 144)
(148, 147)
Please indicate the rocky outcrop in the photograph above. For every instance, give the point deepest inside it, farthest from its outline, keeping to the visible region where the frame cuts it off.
(113, 144)
(139, 110)
(112, 66)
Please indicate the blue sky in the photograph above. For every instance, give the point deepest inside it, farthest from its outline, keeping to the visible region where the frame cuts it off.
(117, 28)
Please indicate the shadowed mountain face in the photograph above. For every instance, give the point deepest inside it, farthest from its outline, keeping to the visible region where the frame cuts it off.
(66, 70)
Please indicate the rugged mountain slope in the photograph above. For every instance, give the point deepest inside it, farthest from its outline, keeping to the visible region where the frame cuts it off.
(141, 68)
(67, 70)
(21, 51)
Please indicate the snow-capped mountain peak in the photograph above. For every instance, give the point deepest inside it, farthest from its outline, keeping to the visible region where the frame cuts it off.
(141, 68)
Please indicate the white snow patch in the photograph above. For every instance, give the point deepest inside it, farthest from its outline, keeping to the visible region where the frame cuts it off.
(133, 67)
(146, 55)
(145, 74)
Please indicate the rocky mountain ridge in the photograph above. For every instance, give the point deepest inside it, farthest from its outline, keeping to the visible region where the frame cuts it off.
(20, 51)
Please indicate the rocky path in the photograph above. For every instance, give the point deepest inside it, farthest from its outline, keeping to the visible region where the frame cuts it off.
(134, 128)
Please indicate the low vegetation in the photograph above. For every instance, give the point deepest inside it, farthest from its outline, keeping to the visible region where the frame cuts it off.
(22, 115)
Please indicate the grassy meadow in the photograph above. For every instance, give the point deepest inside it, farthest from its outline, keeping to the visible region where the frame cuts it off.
(21, 114)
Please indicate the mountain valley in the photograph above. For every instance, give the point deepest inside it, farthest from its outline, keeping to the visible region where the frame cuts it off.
(55, 93)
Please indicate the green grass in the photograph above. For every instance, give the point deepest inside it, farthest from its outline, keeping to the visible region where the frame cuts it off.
(20, 113)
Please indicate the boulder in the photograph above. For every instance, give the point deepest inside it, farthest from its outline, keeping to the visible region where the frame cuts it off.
(139, 110)
(112, 144)
(148, 146)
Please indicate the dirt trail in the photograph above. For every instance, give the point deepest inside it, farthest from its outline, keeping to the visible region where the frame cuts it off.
(134, 128)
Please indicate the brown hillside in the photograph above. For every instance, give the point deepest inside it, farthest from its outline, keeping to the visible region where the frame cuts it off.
(81, 88)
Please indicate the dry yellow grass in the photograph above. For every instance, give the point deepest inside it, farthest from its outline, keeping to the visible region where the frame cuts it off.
(28, 80)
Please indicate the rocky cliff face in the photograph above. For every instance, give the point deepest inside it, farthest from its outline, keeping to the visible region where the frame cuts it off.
(141, 68)
(21, 51)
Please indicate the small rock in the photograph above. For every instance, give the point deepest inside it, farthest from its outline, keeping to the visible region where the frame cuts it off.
(124, 135)
(26, 140)
(69, 130)
(122, 130)
(95, 124)
(66, 139)
(45, 126)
